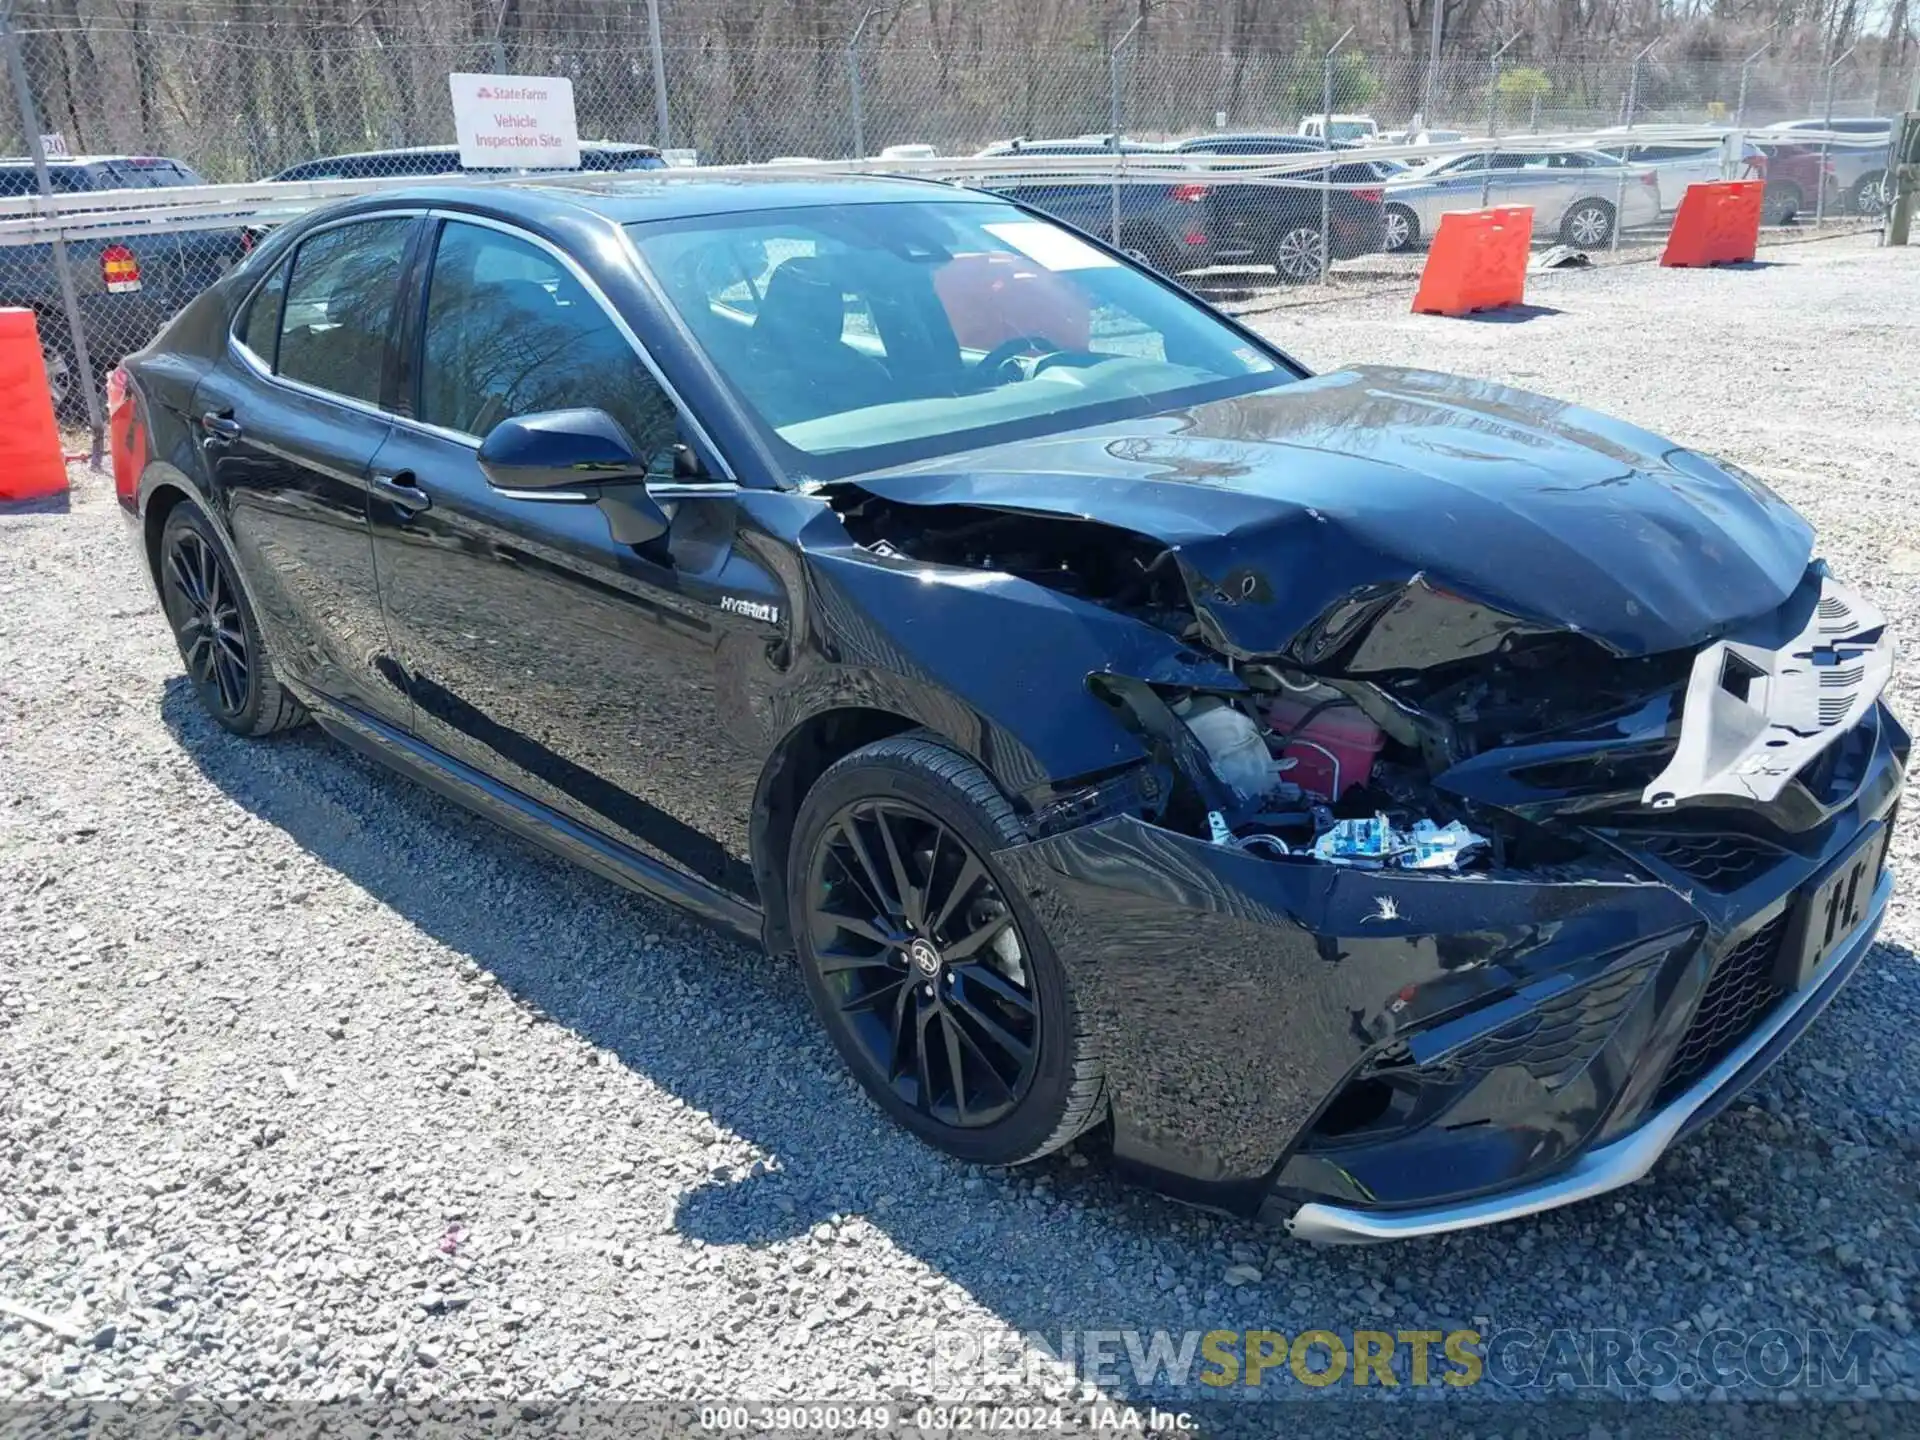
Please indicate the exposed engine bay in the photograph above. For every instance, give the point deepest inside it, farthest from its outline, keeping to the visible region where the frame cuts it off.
(1337, 748)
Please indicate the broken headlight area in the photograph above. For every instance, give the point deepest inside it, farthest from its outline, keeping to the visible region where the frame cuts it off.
(1296, 769)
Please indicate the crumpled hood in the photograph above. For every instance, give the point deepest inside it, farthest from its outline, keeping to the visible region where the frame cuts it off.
(1402, 518)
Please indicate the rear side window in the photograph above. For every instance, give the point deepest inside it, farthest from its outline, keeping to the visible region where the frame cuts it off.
(510, 331)
(339, 307)
(260, 329)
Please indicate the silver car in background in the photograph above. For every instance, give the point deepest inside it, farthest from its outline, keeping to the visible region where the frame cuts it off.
(1574, 193)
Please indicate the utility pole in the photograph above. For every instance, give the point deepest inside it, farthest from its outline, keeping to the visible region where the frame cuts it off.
(1433, 64)
(63, 267)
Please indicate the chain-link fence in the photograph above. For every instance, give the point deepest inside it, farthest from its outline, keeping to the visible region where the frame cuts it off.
(1212, 139)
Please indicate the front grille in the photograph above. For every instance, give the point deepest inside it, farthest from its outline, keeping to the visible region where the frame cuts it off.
(1720, 862)
(1739, 993)
(1556, 1041)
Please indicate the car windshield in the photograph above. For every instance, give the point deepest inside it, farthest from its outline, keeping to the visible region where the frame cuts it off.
(862, 336)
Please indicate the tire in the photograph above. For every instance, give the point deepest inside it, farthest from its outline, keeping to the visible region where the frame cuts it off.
(1869, 197)
(1587, 225)
(1296, 254)
(962, 953)
(215, 628)
(63, 367)
(1402, 229)
(1151, 246)
(1781, 202)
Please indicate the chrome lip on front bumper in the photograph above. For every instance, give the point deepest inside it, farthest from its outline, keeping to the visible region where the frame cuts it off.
(1611, 1166)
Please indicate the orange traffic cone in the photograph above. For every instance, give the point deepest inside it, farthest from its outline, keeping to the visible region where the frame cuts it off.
(31, 464)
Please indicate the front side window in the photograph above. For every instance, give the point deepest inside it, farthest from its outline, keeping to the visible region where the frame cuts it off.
(866, 335)
(339, 307)
(510, 331)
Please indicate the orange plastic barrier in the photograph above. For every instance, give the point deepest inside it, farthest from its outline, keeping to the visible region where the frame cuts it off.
(31, 467)
(1717, 224)
(1478, 261)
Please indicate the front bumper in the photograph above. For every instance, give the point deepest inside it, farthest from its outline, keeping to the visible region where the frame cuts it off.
(1622, 1161)
(1537, 1036)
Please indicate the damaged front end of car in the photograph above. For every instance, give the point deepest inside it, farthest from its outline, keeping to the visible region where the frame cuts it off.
(1442, 894)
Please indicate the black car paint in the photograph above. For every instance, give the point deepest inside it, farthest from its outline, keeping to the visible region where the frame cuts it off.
(599, 698)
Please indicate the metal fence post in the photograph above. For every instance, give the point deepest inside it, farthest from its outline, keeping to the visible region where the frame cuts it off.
(1740, 106)
(1433, 64)
(1326, 143)
(69, 300)
(1493, 118)
(1114, 114)
(853, 82)
(1820, 195)
(1626, 148)
(659, 74)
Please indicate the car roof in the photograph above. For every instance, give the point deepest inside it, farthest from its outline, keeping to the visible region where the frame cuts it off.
(454, 150)
(57, 162)
(670, 194)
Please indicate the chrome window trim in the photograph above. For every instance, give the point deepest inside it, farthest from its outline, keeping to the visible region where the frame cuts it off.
(599, 296)
(237, 347)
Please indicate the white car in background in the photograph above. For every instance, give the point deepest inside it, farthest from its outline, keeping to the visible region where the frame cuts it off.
(1363, 128)
(1678, 164)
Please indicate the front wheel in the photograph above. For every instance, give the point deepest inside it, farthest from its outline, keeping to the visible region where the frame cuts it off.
(932, 975)
(1402, 228)
(1297, 254)
(1587, 224)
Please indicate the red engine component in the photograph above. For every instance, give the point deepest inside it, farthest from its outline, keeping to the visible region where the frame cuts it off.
(1333, 741)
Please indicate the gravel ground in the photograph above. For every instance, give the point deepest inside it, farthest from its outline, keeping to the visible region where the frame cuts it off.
(311, 1086)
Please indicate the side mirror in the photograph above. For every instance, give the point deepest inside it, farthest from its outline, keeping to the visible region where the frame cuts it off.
(558, 450)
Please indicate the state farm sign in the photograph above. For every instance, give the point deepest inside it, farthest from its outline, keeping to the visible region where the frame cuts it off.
(513, 122)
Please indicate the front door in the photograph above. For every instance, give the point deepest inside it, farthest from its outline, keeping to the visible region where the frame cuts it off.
(583, 673)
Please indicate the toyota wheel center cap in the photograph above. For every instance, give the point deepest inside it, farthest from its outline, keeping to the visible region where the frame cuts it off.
(925, 958)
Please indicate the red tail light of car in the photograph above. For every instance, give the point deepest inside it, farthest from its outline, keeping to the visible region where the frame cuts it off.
(126, 437)
(1189, 194)
(120, 268)
(1372, 197)
(1650, 180)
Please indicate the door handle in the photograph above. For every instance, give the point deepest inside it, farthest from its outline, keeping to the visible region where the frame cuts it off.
(219, 428)
(400, 492)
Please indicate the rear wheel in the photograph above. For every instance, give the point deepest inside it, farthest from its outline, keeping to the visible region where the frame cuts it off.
(1781, 202)
(215, 628)
(1402, 228)
(1870, 196)
(931, 974)
(63, 369)
(1587, 224)
(1296, 254)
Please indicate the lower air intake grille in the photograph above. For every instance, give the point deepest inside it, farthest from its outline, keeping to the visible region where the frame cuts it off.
(1739, 994)
(1720, 862)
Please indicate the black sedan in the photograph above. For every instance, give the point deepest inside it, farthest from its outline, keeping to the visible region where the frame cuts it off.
(1379, 801)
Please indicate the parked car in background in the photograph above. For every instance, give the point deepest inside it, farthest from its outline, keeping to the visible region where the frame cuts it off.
(1859, 163)
(1678, 164)
(913, 151)
(1796, 174)
(1339, 127)
(1574, 193)
(1378, 802)
(1163, 223)
(1279, 225)
(126, 285)
(429, 160)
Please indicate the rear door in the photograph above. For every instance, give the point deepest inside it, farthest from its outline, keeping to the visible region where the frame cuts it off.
(290, 422)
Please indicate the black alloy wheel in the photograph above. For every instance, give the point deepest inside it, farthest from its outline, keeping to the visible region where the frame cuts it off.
(219, 640)
(203, 604)
(923, 957)
(929, 969)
